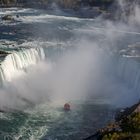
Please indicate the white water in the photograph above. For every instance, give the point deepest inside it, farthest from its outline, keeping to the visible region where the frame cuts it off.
(102, 29)
(4, 11)
(15, 63)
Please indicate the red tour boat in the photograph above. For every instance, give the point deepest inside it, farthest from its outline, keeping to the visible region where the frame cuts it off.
(66, 106)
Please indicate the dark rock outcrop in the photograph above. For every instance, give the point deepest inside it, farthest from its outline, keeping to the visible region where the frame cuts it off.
(96, 136)
(117, 126)
(127, 111)
(8, 18)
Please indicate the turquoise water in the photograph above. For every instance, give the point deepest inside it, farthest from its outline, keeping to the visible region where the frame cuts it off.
(47, 122)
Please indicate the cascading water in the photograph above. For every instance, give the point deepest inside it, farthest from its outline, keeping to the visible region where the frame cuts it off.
(17, 61)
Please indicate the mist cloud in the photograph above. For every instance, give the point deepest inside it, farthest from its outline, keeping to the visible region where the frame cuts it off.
(86, 72)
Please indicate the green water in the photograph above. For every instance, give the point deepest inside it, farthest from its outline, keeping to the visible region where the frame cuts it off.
(46, 122)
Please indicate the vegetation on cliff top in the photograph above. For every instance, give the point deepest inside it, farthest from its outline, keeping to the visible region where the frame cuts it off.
(61, 3)
(129, 129)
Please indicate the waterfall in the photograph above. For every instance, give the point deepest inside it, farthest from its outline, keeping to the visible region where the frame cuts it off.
(128, 70)
(17, 61)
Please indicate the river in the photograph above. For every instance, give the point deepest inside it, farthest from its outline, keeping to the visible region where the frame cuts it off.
(50, 59)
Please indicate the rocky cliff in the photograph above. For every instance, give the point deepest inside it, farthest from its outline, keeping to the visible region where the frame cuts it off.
(125, 127)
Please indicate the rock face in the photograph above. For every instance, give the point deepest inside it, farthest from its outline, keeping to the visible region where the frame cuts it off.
(128, 111)
(126, 126)
(3, 53)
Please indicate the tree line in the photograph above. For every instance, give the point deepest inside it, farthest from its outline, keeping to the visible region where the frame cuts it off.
(62, 3)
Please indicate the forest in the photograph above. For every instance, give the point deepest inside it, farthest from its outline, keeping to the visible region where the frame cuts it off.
(61, 3)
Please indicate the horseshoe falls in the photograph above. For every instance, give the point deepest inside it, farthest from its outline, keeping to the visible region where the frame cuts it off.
(16, 61)
(128, 70)
(48, 59)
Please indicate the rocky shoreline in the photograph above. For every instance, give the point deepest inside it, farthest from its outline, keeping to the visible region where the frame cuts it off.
(125, 127)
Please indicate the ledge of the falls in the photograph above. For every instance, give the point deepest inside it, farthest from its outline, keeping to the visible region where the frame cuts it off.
(3, 53)
(14, 60)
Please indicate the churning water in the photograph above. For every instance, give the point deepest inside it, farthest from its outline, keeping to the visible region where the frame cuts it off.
(48, 60)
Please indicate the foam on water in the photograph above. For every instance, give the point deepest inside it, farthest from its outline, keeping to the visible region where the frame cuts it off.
(47, 18)
(5, 11)
(102, 30)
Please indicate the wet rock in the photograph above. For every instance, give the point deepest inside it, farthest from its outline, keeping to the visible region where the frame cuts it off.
(8, 18)
(3, 53)
(123, 113)
(17, 16)
(96, 136)
(118, 125)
